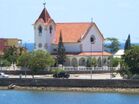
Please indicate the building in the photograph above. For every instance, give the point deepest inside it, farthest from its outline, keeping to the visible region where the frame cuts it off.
(119, 53)
(8, 42)
(2, 45)
(81, 40)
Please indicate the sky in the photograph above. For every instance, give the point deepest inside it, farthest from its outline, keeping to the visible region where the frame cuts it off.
(115, 18)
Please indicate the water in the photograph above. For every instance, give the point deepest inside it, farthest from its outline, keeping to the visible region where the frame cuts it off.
(29, 46)
(39, 97)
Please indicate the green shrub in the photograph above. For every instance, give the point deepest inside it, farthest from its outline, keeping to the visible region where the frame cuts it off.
(115, 62)
(5, 63)
(55, 71)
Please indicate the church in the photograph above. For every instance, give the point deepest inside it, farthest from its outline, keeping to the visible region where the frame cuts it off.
(81, 39)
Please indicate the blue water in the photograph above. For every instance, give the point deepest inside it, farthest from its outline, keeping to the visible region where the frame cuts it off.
(29, 46)
(38, 97)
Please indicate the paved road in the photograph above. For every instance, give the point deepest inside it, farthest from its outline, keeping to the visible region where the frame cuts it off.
(75, 76)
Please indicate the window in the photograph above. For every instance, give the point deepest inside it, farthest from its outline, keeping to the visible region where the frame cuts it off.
(50, 29)
(55, 50)
(40, 45)
(92, 39)
(40, 30)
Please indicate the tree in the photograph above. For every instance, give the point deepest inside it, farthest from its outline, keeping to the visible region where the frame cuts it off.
(24, 60)
(113, 46)
(4, 62)
(131, 58)
(36, 61)
(99, 62)
(39, 60)
(12, 53)
(127, 43)
(124, 70)
(94, 62)
(115, 62)
(89, 62)
(61, 57)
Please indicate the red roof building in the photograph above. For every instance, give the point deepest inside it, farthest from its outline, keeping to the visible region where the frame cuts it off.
(2, 45)
(7, 42)
(81, 40)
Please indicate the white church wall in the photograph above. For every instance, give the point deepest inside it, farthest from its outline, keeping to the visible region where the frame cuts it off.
(45, 38)
(86, 44)
(69, 47)
(72, 47)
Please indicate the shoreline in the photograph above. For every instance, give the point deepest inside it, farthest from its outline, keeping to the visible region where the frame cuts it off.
(77, 89)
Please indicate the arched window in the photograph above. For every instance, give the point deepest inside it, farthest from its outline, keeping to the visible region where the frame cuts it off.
(40, 45)
(92, 39)
(74, 62)
(40, 30)
(82, 62)
(50, 29)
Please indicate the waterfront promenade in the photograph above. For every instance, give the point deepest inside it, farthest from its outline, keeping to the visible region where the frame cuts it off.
(74, 76)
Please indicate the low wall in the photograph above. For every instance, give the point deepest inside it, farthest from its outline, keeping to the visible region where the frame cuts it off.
(17, 72)
(71, 83)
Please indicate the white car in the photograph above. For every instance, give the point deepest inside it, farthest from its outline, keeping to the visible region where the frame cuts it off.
(2, 75)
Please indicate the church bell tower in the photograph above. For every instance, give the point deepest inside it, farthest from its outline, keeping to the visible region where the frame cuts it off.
(44, 31)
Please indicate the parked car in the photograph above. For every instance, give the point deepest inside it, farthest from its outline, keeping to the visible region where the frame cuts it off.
(61, 75)
(3, 75)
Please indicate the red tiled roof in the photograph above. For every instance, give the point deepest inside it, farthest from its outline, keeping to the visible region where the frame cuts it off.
(71, 32)
(91, 54)
(44, 16)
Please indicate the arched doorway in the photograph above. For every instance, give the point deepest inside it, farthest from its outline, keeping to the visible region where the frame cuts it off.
(67, 62)
(82, 62)
(74, 62)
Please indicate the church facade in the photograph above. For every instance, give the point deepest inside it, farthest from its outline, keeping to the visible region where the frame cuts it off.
(81, 40)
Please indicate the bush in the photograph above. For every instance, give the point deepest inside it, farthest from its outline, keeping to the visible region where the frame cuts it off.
(131, 58)
(56, 71)
(5, 63)
(94, 62)
(39, 60)
(89, 62)
(115, 62)
(125, 70)
(125, 73)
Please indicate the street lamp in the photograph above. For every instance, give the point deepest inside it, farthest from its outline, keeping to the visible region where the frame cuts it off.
(1, 64)
(109, 67)
(102, 53)
(92, 41)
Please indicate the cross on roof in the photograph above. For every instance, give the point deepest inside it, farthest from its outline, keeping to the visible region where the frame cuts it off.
(44, 3)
